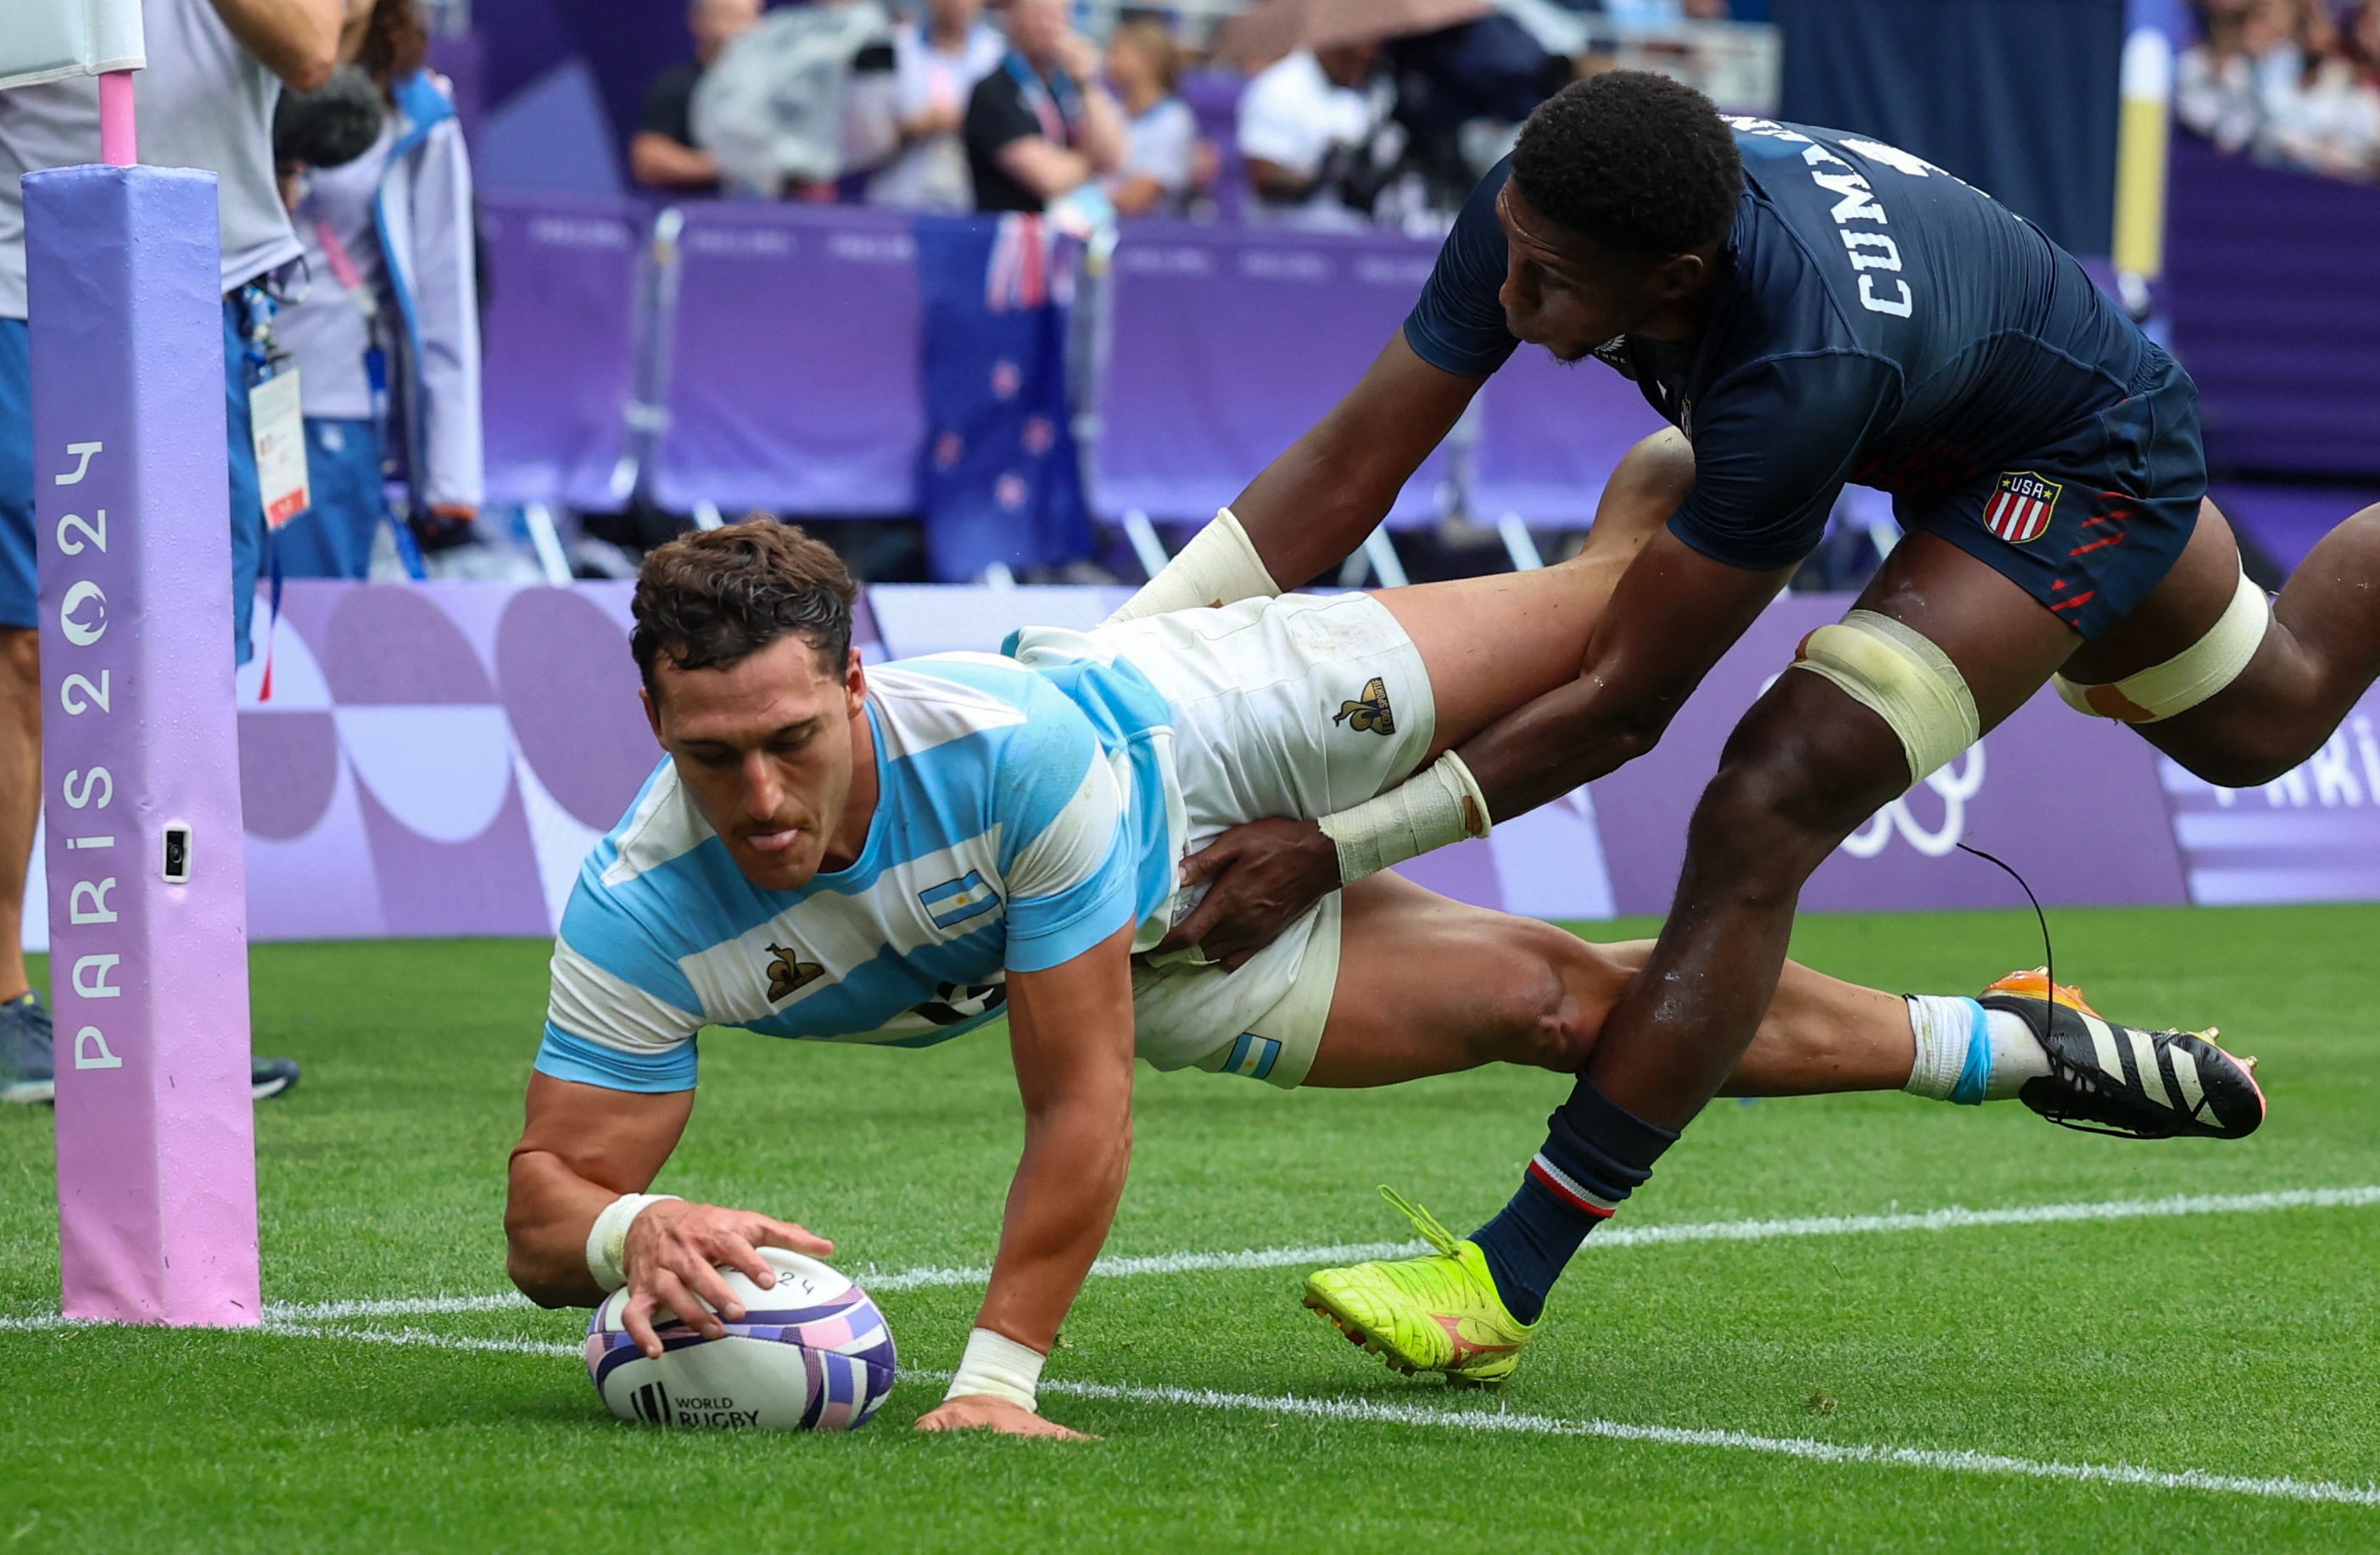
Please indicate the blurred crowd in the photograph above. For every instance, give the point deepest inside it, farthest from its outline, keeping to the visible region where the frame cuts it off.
(1306, 115)
(2289, 81)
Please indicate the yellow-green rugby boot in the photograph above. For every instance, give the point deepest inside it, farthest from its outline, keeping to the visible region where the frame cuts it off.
(1439, 1312)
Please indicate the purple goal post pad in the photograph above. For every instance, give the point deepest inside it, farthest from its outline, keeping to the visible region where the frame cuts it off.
(140, 768)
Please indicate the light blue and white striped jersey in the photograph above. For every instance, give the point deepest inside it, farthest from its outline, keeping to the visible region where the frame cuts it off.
(1022, 817)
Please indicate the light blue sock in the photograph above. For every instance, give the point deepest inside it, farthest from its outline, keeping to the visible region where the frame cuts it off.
(1974, 1082)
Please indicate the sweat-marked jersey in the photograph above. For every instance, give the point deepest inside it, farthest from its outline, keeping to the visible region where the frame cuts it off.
(1022, 817)
(1876, 321)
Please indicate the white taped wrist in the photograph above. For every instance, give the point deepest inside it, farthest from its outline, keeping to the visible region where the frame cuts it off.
(997, 1367)
(607, 1240)
(1438, 805)
(1219, 566)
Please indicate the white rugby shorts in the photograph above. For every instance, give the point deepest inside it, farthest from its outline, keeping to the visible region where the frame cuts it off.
(1298, 706)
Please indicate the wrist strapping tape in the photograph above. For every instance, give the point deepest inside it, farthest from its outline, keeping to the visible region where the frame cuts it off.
(607, 1240)
(1219, 566)
(997, 1367)
(1438, 805)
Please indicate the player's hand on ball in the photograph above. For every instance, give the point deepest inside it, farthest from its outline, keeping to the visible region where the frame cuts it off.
(1260, 878)
(672, 1259)
(980, 1411)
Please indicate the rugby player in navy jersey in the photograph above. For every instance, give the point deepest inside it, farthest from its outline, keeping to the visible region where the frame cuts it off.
(1807, 308)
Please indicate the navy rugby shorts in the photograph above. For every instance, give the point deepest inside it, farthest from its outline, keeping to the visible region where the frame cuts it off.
(2090, 524)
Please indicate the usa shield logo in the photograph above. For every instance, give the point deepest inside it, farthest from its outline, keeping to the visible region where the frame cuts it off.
(2021, 506)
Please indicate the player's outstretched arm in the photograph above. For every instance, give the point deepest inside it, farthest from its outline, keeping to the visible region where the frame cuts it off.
(1310, 508)
(587, 1153)
(1071, 1030)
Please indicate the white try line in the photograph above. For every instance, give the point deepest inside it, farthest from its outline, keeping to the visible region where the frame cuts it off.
(1609, 1238)
(1366, 1412)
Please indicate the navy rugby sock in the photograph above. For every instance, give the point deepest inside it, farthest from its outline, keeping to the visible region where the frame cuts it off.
(1596, 1153)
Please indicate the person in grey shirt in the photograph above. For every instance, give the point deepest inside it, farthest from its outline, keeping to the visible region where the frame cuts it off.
(386, 338)
(215, 70)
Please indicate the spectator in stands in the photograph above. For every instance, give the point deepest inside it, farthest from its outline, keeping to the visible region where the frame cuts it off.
(1161, 150)
(1041, 127)
(2215, 87)
(2320, 113)
(1307, 126)
(2277, 78)
(215, 70)
(937, 62)
(663, 154)
(386, 338)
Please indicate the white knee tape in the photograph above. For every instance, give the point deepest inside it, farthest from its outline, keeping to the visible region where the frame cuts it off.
(1901, 677)
(1219, 566)
(2189, 677)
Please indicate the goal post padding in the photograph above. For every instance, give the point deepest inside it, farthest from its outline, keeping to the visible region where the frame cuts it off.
(140, 766)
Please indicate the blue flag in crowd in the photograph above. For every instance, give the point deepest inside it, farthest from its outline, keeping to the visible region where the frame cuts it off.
(1000, 481)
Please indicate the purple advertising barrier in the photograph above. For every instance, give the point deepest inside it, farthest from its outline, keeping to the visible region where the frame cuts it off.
(1549, 437)
(2311, 834)
(437, 759)
(2073, 803)
(1227, 345)
(147, 891)
(793, 363)
(2268, 276)
(560, 349)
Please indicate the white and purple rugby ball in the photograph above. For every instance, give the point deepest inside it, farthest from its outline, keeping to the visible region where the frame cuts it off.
(811, 1354)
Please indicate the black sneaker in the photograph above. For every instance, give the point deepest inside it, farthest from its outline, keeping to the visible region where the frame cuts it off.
(270, 1076)
(26, 1068)
(28, 1071)
(2125, 1080)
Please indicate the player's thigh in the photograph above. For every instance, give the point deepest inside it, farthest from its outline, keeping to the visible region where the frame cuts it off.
(2004, 644)
(1430, 986)
(2182, 608)
(1493, 644)
(2279, 707)
(1811, 761)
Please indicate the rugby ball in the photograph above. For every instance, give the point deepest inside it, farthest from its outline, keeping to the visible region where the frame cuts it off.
(812, 1354)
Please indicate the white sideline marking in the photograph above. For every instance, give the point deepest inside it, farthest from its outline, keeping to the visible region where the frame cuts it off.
(425, 1338)
(1365, 1411)
(1610, 1237)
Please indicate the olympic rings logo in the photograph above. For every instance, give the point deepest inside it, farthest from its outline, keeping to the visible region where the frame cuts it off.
(1956, 783)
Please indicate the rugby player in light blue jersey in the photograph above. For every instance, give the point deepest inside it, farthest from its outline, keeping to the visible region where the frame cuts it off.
(904, 853)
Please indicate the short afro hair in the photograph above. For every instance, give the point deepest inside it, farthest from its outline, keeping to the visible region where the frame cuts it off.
(1634, 160)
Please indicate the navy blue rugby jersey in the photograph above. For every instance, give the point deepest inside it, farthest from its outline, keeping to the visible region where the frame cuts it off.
(1876, 321)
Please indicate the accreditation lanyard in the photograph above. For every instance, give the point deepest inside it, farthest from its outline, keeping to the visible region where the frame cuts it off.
(351, 279)
(1057, 103)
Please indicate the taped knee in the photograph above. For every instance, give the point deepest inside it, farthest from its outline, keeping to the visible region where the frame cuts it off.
(1901, 677)
(2189, 677)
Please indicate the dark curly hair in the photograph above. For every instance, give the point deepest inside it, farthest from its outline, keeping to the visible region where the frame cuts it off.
(1636, 162)
(712, 598)
(395, 43)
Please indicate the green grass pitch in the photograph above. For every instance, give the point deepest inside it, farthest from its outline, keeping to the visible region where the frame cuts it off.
(2243, 1345)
